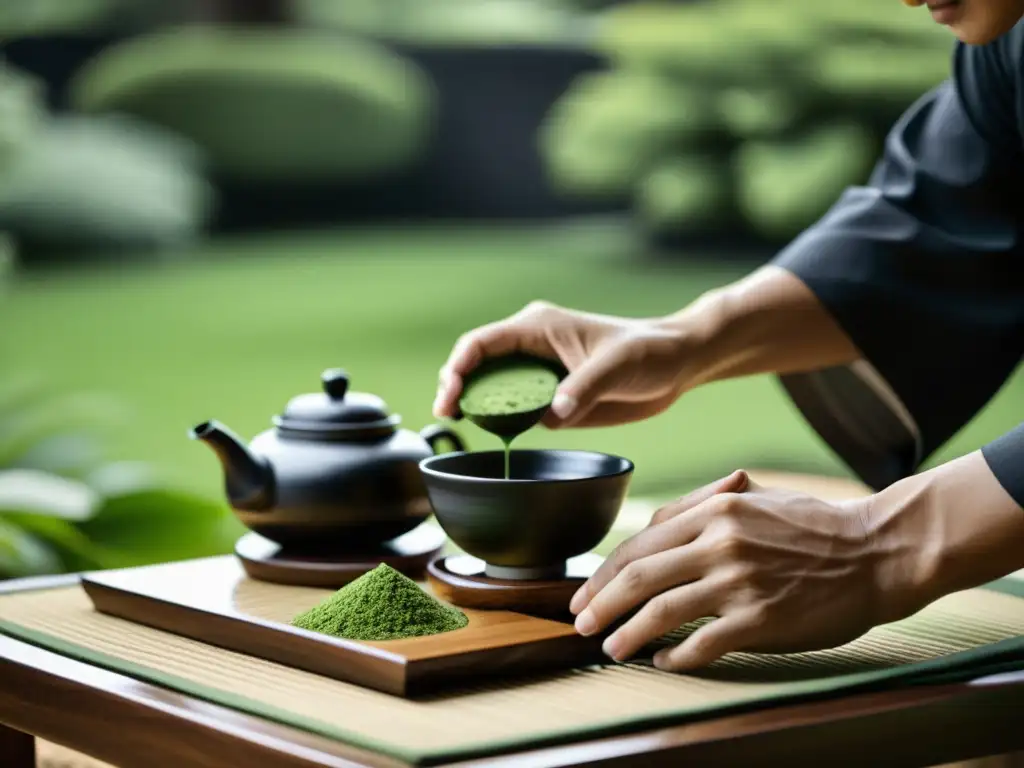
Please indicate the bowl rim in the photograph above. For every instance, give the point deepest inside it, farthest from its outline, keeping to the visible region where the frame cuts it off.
(426, 469)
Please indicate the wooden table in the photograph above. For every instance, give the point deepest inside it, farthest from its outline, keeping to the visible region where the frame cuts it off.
(137, 725)
(132, 724)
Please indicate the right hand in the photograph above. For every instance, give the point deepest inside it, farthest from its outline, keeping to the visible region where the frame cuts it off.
(620, 370)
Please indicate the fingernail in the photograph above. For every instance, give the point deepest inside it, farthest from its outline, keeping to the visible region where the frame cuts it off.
(585, 623)
(578, 600)
(437, 408)
(563, 405)
(660, 659)
(610, 647)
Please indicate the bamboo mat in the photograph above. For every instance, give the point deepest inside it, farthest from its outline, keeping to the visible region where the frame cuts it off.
(976, 627)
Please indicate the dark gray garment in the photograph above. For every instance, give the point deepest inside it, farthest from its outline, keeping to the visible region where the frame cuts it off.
(924, 269)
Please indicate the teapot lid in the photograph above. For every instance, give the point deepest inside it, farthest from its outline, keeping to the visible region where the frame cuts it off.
(336, 409)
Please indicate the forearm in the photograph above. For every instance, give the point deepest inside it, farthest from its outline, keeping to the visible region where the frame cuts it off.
(951, 528)
(768, 322)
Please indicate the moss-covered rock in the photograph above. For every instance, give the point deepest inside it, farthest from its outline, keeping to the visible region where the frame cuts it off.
(270, 104)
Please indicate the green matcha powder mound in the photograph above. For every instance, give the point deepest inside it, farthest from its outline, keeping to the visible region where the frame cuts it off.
(381, 605)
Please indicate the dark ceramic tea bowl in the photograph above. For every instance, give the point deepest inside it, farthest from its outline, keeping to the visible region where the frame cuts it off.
(557, 505)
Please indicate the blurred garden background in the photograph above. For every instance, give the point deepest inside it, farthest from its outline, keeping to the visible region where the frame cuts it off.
(205, 203)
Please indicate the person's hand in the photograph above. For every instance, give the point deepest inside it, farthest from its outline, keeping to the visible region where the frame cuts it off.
(780, 571)
(620, 369)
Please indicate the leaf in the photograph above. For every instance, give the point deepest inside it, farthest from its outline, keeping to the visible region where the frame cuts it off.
(120, 478)
(8, 257)
(154, 525)
(75, 550)
(70, 455)
(22, 428)
(22, 554)
(30, 490)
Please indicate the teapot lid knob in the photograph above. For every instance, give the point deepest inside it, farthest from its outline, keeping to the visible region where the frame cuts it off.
(335, 381)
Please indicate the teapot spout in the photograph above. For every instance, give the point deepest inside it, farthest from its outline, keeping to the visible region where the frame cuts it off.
(248, 479)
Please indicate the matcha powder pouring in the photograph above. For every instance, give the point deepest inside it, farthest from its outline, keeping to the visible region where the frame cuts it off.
(381, 605)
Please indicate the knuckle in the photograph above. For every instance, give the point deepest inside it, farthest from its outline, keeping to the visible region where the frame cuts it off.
(619, 557)
(701, 647)
(466, 340)
(539, 308)
(730, 505)
(730, 544)
(759, 615)
(663, 514)
(660, 611)
(633, 577)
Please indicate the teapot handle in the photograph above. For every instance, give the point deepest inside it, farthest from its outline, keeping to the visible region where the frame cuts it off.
(435, 433)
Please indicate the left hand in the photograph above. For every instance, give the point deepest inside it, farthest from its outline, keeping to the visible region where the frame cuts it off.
(780, 571)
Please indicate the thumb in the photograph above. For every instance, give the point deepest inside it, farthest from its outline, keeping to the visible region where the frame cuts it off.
(583, 387)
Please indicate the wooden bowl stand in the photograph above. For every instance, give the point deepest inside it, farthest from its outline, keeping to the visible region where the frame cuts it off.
(460, 580)
(265, 560)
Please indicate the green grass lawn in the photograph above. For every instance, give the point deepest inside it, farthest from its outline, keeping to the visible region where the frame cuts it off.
(236, 329)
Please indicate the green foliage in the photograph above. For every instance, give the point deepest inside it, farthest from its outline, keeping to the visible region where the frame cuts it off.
(22, 111)
(279, 104)
(786, 184)
(103, 182)
(759, 78)
(720, 41)
(8, 254)
(875, 71)
(758, 112)
(64, 508)
(448, 22)
(685, 194)
(20, 18)
(608, 132)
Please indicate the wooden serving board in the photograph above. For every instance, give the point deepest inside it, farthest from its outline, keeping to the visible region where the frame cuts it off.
(212, 600)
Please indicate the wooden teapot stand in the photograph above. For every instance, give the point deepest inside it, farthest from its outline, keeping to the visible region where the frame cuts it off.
(266, 560)
(461, 580)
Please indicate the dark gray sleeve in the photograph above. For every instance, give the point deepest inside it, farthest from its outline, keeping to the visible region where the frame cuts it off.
(924, 269)
(1005, 457)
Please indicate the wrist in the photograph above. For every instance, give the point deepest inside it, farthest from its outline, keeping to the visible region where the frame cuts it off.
(768, 322)
(697, 332)
(948, 529)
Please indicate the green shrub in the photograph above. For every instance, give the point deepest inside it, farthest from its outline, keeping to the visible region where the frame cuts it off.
(686, 195)
(876, 73)
(785, 185)
(269, 104)
(448, 22)
(605, 135)
(725, 41)
(759, 112)
(22, 111)
(64, 508)
(103, 182)
(797, 91)
(20, 18)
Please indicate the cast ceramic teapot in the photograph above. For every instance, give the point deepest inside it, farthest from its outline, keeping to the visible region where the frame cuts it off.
(335, 470)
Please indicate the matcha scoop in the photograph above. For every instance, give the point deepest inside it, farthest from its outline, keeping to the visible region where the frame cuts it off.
(506, 396)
